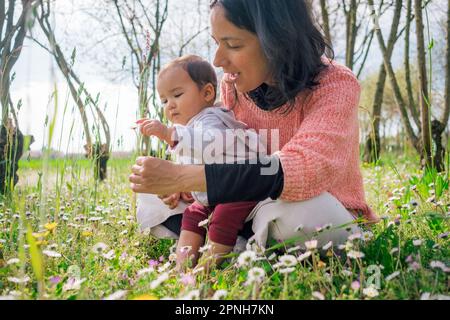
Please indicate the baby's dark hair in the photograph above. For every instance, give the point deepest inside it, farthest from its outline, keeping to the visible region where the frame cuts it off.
(200, 70)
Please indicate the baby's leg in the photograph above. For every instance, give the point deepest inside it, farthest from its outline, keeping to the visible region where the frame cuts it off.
(226, 221)
(192, 236)
(187, 249)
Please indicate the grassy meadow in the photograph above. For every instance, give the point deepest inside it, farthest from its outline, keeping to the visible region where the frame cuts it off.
(64, 236)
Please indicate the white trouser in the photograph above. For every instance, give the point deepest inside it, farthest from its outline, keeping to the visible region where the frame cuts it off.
(276, 219)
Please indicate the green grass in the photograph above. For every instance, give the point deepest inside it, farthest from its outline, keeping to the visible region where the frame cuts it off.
(406, 255)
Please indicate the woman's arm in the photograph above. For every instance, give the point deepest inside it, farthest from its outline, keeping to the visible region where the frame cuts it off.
(224, 183)
(156, 176)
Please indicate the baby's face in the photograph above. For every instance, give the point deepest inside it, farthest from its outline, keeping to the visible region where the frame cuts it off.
(181, 97)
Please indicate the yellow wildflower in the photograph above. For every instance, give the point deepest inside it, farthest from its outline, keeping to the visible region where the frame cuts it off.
(87, 233)
(40, 234)
(41, 242)
(145, 297)
(50, 226)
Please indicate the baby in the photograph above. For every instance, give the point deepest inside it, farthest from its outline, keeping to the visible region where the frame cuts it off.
(187, 87)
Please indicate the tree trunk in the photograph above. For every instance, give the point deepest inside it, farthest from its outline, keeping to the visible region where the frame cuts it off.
(411, 101)
(424, 98)
(373, 146)
(12, 36)
(351, 32)
(438, 127)
(11, 149)
(325, 20)
(394, 83)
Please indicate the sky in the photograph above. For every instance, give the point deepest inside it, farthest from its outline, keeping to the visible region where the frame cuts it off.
(36, 77)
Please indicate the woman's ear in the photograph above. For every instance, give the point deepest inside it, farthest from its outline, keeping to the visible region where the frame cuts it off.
(209, 93)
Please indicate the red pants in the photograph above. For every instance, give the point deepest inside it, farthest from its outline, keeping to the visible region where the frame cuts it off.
(226, 221)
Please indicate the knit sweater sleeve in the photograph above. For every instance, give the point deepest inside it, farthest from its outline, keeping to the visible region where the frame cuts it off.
(320, 149)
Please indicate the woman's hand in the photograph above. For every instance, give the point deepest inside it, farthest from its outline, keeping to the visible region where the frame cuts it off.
(156, 176)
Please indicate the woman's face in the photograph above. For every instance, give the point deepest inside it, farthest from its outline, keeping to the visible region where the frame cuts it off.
(239, 53)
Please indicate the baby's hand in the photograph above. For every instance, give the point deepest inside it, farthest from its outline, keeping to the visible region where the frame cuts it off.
(187, 197)
(171, 200)
(153, 128)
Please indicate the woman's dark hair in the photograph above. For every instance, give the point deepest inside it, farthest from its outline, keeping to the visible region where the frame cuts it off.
(289, 39)
(200, 70)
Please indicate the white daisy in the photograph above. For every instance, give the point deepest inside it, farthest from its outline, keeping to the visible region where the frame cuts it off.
(12, 261)
(51, 253)
(155, 283)
(246, 258)
(327, 246)
(311, 245)
(73, 284)
(286, 270)
(20, 280)
(288, 260)
(192, 295)
(204, 248)
(203, 223)
(145, 271)
(302, 257)
(109, 255)
(318, 295)
(354, 236)
(219, 294)
(392, 275)
(118, 295)
(355, 254)
(256, 274)
(367, 236)
(439, 265)
(370, 292)
(99, 247)
(296, 248)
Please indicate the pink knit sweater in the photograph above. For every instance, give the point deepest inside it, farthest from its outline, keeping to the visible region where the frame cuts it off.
(318, 140)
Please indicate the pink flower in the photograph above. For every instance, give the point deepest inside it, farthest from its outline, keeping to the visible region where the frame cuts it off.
(355, 285)
(153, 263)
(187, 280)
(55, 279)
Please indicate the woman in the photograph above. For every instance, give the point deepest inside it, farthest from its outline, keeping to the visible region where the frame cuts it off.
(276, 78)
